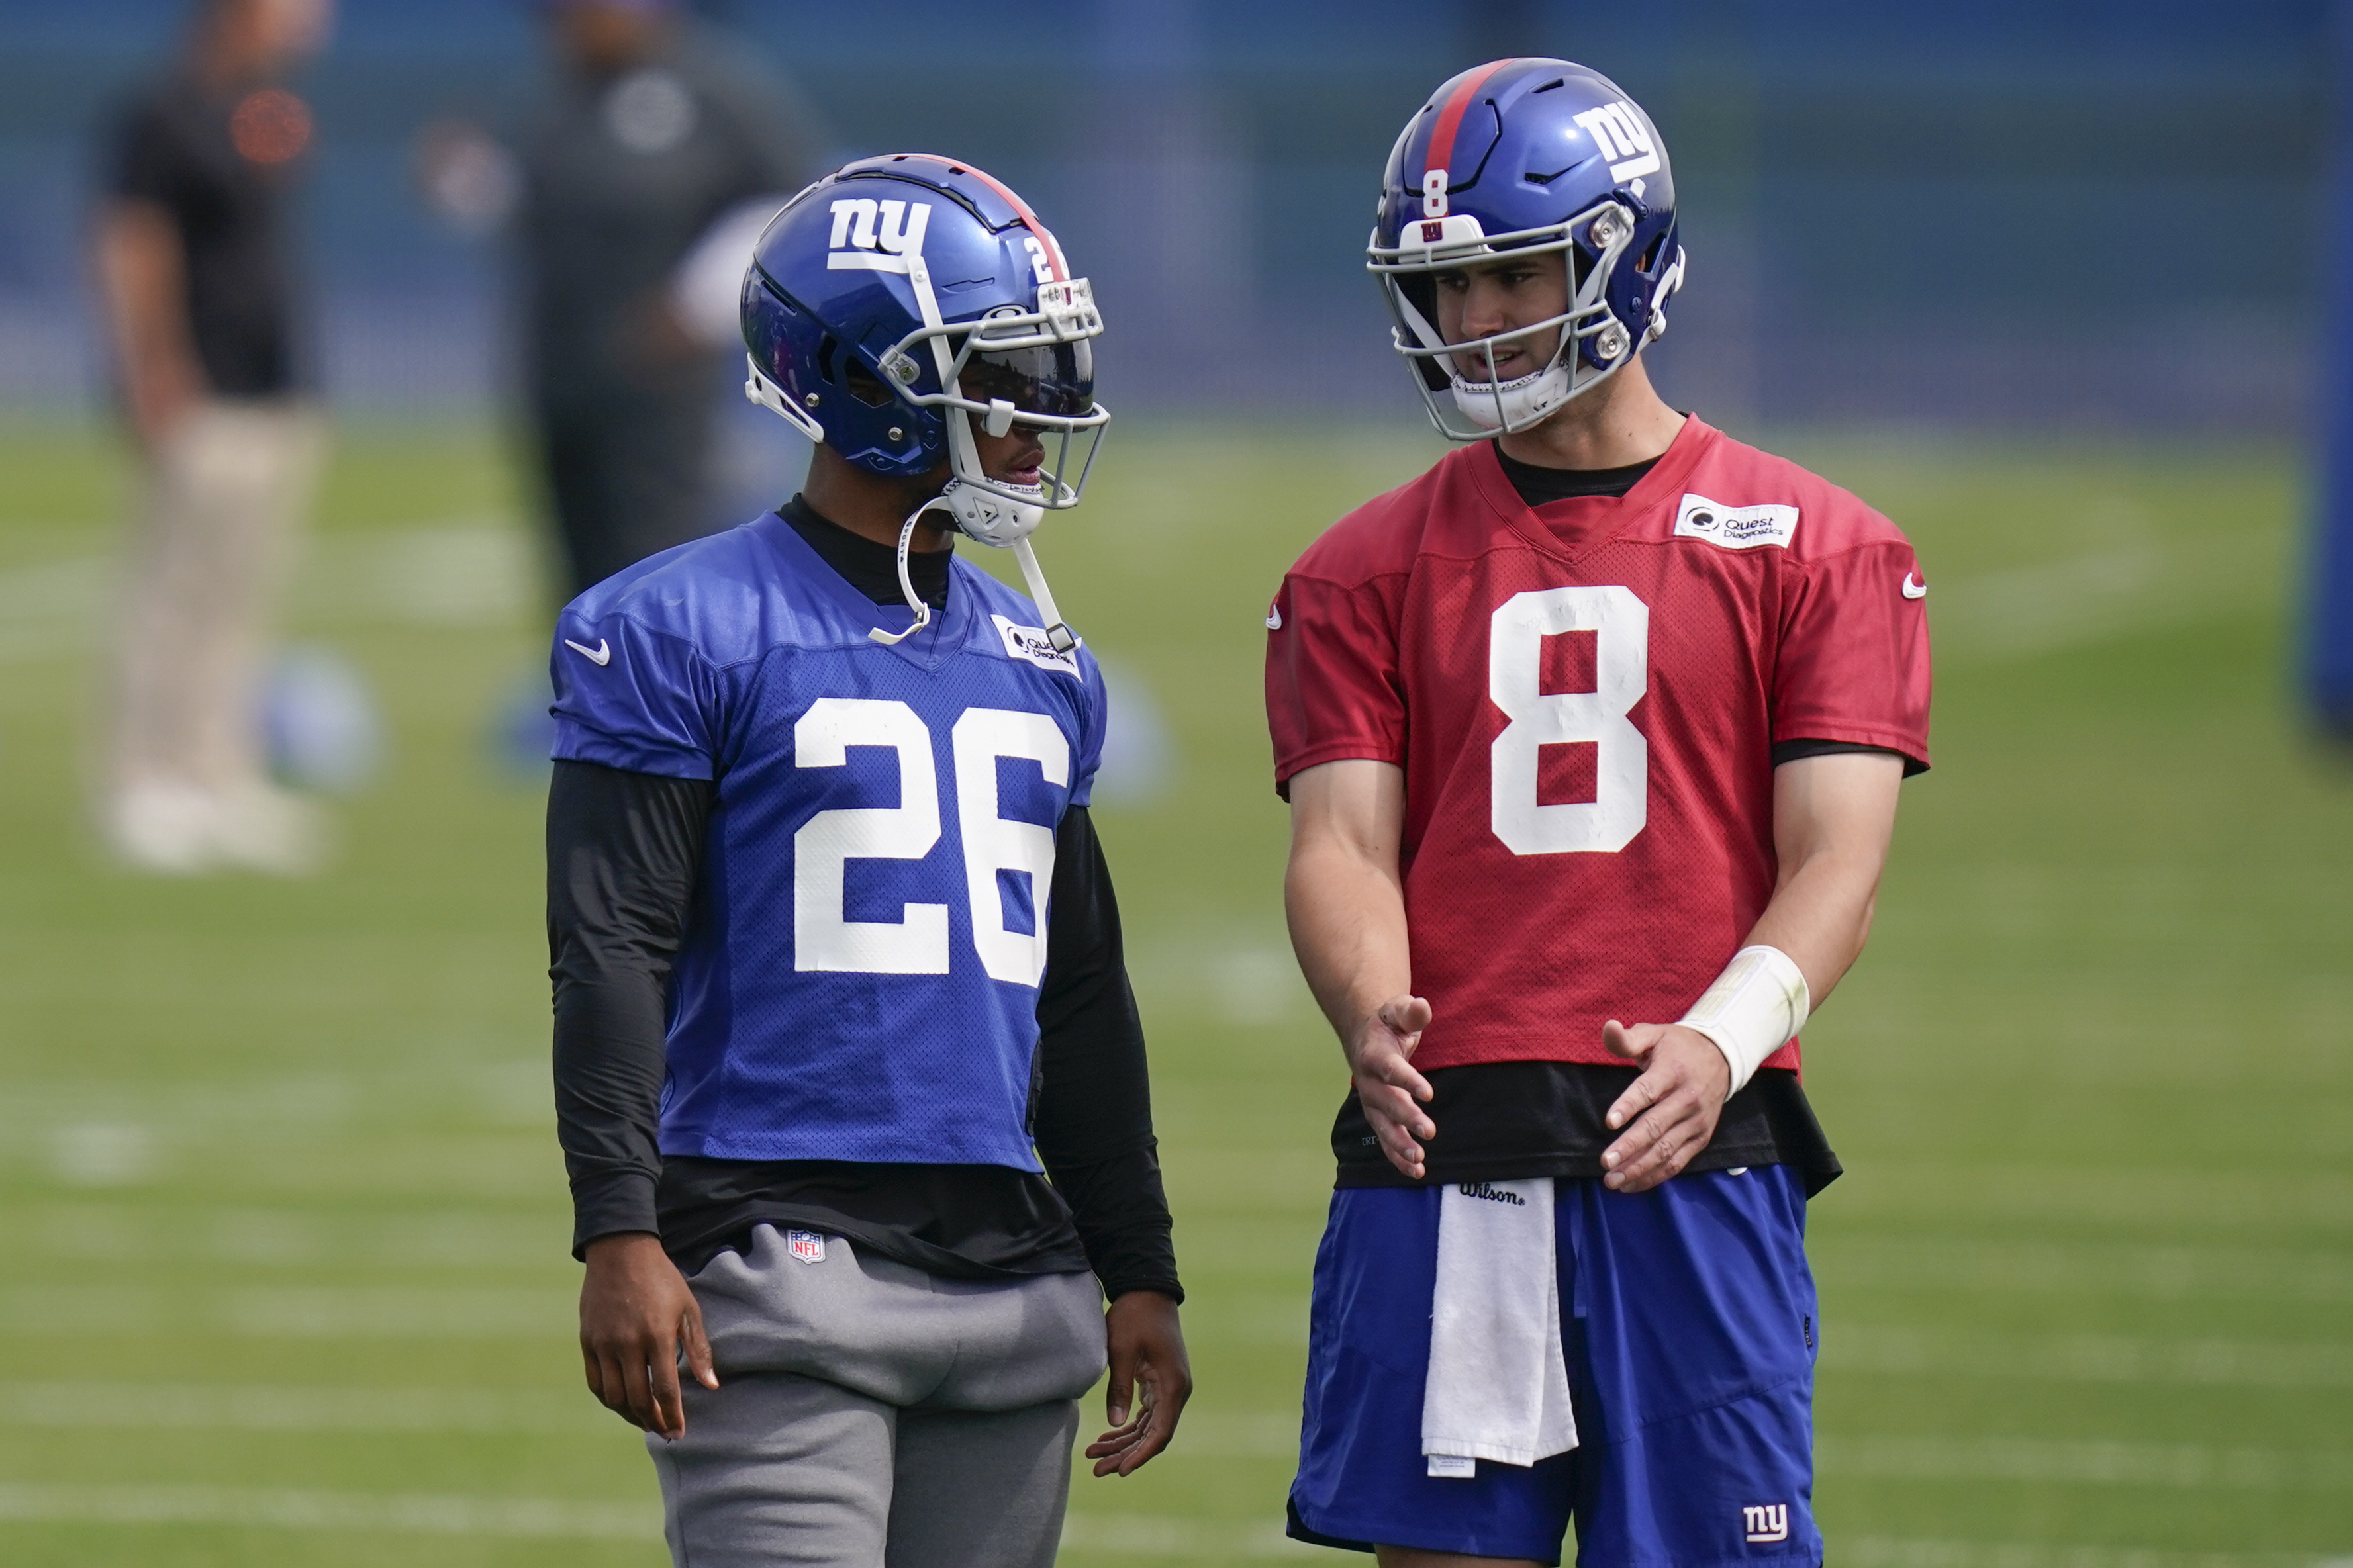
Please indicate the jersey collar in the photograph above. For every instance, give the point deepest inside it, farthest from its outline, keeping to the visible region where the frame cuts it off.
(927, 650)
(1575, 527)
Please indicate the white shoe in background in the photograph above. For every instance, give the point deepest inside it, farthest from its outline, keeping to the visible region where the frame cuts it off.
(179, 830)
(164, 829)
(261, 828)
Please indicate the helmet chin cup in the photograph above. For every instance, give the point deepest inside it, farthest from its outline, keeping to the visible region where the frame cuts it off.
(1513, 405)
(1000, 520)
(992, 519)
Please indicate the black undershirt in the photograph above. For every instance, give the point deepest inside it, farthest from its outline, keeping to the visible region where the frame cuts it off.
(622, 852)
(1502, 1121)
(1540, 486)
(872, 569)
(1511, 1121)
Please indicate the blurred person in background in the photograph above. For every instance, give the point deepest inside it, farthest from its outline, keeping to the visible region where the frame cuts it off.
(634, 197)
(195, 271)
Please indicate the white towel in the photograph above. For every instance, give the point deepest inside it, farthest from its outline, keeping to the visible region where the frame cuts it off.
(1498, 1385)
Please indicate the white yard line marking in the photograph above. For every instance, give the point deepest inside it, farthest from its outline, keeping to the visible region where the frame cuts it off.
(256, 1408)
(464, 1313)
(280, 1239)
(1141, 1535)
(2087, 1358)
(2234, 1203)
(471, 571)
(2109, 593)
(359, 1512)
(1898, 1551)
(1929, 1263)
(2085, 1463)
(542, 1518)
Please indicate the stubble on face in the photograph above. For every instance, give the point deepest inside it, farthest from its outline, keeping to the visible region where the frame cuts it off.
(1509, 293)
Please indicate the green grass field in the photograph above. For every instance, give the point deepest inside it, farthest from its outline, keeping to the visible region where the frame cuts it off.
(283, 1222)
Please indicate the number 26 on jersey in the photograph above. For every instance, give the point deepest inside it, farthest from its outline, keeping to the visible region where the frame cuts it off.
(1621, 663)
(917, 942)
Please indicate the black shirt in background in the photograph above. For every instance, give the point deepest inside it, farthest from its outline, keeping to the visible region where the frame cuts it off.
(622, 852)
(621, 175)
(172, 147)
(1501, 1122)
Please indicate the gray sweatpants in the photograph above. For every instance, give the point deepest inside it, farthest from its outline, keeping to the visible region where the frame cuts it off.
(872, 1416)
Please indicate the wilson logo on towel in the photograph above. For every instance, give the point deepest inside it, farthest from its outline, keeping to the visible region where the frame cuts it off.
(1492, 1195)
(1765, 1521)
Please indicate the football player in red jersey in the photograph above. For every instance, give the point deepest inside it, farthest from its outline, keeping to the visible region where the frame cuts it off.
(1592, 737)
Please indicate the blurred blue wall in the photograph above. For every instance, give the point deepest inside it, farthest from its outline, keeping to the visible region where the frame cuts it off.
(2020, 214)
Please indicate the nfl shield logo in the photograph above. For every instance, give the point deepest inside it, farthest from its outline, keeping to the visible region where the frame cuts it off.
(806, 1245)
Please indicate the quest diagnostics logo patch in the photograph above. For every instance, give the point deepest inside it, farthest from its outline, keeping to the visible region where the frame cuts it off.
(1031, 643)
(1734, 527)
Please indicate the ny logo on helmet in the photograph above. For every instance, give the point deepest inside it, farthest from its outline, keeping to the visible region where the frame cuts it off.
(1619, 136)
(900, 232)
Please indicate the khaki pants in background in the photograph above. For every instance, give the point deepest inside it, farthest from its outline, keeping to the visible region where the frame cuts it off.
(186, 782)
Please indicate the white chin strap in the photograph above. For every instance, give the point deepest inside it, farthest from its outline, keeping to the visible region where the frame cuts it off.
(992, 520)
(906, 585)
(1494, 406)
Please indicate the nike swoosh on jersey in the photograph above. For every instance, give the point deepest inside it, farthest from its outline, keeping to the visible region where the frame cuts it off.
(1914, 588)
(602, 652)
(1274, 619)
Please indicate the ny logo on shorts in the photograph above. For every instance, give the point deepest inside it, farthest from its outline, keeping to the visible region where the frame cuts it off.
(1767, 1521)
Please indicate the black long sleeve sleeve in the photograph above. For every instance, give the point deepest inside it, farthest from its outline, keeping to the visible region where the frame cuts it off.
(1093, 1128)
(622, 853)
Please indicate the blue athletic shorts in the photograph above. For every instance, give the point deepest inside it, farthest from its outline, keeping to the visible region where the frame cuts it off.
(1687, 1314)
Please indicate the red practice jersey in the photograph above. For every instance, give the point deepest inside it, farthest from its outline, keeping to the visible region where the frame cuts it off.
(1584, 697)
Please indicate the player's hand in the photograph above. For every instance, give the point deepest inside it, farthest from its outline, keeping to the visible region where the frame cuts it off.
(1393, 1094)
(1670, 1113)
(635, 1312)
(1149, 1373)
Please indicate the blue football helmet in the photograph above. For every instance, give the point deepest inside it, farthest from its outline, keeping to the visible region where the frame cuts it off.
(901, 297)
(1526, 155)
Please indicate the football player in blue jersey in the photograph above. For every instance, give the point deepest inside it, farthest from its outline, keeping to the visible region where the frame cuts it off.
(838, 975)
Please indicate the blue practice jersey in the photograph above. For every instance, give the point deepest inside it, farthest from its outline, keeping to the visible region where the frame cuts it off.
(859, 978)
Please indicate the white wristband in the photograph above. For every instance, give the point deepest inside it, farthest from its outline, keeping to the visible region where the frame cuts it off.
(1756, 1004)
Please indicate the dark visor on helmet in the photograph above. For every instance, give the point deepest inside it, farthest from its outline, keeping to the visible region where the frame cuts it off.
(1057, 381)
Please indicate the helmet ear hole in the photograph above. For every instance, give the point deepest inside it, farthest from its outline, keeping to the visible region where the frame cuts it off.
(863, 384)
(826, 347)
(1650, 262)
